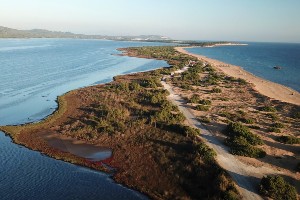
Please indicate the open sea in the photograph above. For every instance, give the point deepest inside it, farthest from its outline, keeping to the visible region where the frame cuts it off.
(260, 59)
(33, 72)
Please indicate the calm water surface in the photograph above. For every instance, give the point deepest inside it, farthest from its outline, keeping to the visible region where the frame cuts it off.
(33, 73)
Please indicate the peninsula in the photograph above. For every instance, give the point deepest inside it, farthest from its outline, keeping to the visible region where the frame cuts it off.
(176, 133)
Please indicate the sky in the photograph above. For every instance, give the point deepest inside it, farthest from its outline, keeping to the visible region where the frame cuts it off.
(230, 20)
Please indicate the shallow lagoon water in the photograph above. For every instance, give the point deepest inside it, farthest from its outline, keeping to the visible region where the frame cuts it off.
(33, 73)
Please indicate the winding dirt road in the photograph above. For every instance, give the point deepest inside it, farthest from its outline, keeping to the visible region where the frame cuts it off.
(246, 177)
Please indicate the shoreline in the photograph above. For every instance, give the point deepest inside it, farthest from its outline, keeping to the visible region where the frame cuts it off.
(270, 89)
(226, 44)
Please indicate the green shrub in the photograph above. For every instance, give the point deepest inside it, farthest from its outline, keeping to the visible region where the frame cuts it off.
(273, 129)
(191, 131)
(254, 127)
(241, 81)
(277, 188)
(247, 121)
(186, 86)
(205, 102)
(238, 129)
(240, 146)
(204, 120)
(150, 83)
(241, 112)
(194, 99)
(216, 90)
(296, 115)
(205, 152)
(241, 141)
(223, 99)
(278, 125)
(273, 116)
(288, 139)
(202, 108)
(268, 109)
(134, 86)
(231, 195)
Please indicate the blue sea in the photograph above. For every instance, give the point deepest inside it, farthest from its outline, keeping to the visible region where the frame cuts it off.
(260, 59)
(33, 72)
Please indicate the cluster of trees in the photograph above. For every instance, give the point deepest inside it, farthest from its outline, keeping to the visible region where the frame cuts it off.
(242, 141)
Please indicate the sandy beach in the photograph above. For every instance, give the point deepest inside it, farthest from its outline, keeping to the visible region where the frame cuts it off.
(265, 87)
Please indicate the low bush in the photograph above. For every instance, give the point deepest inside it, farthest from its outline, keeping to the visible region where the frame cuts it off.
(202, 108)
(273, 129)
(277, 188)
(296, 115)
(241, 81)
(288, 139)
(278, 125)
(240, 146)
(216, 90)
(238, 129)
(186, 87)
(247, 121)
(191, 131)
(205, 152)
(268, 109)
(273, 116)
(204, 120)
(242, 142)
(204, 102)
(194, 99)
(254, 127)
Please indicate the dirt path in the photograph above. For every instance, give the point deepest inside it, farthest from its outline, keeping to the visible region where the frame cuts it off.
(246, 177)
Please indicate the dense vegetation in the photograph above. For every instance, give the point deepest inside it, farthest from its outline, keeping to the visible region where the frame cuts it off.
(242, 142)
(277, 188)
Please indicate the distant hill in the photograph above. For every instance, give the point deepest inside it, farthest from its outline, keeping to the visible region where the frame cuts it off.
(41, 33)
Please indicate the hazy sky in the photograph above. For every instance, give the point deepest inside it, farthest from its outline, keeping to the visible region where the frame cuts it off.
(237, 20)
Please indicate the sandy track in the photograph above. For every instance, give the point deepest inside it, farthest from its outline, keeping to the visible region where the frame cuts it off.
(246, 177)
(267, 88)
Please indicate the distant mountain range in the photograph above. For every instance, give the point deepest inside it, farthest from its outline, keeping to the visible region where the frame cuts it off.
(41, 33)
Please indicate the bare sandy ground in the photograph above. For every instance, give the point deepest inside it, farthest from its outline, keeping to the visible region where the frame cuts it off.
(267, 88)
